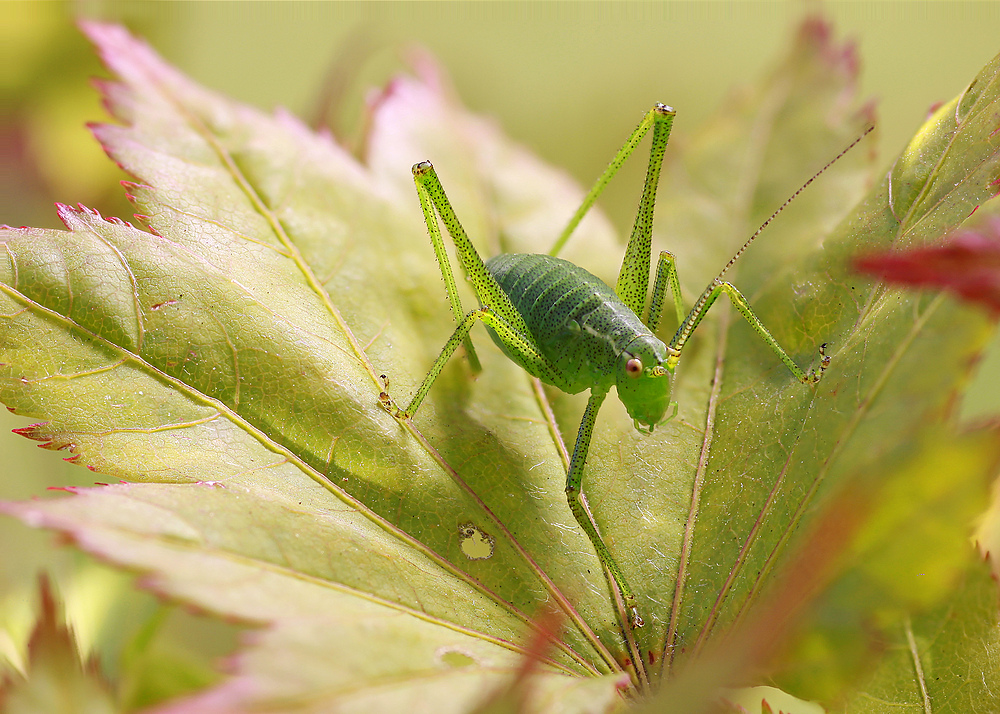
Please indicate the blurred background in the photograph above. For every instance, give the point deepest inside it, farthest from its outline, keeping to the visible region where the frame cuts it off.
(568, 80)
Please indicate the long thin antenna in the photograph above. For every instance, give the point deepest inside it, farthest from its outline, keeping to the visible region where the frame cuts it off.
(791, 198)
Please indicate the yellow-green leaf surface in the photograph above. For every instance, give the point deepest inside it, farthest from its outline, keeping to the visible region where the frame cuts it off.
(224, 359)
(947, 660)
(56, 680)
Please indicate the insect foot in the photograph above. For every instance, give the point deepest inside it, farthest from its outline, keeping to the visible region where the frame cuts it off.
(386, 401)
(817, 374)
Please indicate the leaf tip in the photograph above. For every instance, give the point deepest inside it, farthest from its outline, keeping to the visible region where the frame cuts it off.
(816, 34)
(32, 431)
(106, 35)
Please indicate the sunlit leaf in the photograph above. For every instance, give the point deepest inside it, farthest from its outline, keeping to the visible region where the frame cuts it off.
(223, 360)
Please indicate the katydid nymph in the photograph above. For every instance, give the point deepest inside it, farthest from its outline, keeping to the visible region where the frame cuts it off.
(568, 328)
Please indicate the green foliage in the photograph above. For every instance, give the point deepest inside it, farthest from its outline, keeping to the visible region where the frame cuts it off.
(224, 364)
(57, 681)
(949, 652)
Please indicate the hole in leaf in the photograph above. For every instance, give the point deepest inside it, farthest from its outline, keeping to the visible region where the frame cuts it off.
(455, 658)
(476, 544)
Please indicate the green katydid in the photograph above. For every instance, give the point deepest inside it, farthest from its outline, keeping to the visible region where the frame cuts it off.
(566, 327)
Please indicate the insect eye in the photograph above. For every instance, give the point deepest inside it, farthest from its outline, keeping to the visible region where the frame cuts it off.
(633, 368)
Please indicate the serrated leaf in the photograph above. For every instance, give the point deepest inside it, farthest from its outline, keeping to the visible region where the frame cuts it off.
(777, 449)
(226, 364)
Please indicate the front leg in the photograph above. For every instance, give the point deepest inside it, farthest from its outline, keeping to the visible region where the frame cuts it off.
(708, 299)
(577, 503)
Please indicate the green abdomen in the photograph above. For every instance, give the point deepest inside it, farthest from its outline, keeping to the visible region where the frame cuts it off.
(578, 322)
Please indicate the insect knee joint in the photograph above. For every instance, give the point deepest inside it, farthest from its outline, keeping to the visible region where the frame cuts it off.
(421, 168)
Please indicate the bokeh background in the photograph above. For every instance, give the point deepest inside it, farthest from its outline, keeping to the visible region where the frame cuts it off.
(568, 80)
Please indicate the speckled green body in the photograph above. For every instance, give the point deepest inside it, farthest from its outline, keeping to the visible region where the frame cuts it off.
(582, 327)
(566, 327)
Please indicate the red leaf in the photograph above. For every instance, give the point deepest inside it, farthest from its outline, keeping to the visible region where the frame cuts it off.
(967, 264)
